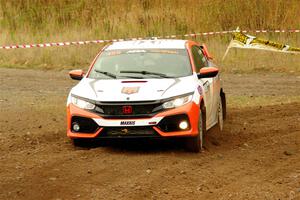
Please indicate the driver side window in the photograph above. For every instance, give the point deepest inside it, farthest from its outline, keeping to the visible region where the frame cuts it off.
(199, 59)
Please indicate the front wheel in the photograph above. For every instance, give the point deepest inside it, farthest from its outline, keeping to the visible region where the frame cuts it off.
(195, 144)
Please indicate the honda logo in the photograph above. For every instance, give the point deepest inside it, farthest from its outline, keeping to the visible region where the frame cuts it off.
(127, 110)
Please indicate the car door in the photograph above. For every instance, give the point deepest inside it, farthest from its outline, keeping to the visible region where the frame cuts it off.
(215, 92)
(201, 61)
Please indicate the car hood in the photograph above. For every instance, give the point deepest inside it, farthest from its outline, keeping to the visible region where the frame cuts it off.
(133, 90)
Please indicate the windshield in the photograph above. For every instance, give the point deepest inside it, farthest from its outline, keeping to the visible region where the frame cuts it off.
(142, 63)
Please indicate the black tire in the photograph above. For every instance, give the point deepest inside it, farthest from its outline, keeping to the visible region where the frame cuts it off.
(223, 100)
(195, 144)
(220, 116)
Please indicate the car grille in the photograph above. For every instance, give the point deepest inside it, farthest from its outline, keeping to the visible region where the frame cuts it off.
(136, 131)
(110, 111)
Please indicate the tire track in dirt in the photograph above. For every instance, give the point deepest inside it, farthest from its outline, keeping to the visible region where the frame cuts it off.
(256, 157)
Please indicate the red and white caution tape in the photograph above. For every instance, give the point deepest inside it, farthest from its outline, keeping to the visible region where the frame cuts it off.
(272, 31)
(53, 44)
(56, 44)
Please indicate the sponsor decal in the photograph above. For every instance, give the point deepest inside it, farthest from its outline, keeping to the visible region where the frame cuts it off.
(200, 90)
(113, 53)
(130, 90)
(136, 51)
(164, 51)
(127, 123)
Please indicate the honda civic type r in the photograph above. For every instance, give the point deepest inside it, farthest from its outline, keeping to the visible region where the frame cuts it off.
(147, 88)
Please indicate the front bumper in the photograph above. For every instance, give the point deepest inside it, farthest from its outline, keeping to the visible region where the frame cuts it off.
(160, 125)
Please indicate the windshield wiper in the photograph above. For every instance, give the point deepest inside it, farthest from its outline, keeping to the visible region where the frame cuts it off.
(106, 73)
(132, 77)
(147, 72)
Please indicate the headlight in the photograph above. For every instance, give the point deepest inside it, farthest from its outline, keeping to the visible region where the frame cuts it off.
(177, 102)
(82, 103)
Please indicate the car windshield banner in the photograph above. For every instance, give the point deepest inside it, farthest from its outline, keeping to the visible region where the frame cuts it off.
(243, 41)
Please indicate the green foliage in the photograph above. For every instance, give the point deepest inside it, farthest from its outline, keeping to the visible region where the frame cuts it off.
(29, 21)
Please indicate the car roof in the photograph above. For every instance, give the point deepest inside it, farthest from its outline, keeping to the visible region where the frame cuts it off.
(148, 44)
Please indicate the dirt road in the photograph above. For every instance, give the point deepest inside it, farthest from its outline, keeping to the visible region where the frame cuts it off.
(256, 157)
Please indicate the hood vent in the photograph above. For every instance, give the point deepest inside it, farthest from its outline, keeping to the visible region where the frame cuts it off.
(134, 81)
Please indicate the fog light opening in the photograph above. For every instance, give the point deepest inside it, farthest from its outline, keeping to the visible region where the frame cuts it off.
(183, 125)
(76, 127)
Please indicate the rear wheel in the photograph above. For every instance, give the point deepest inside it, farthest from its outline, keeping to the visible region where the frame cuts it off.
(220, 116)
(223, 100)
(222, 111)
(195, 144)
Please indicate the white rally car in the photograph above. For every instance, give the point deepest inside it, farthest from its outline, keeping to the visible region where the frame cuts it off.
(147, 88)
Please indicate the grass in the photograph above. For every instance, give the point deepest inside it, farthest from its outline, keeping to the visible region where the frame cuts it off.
(247, 101)
(39, 21)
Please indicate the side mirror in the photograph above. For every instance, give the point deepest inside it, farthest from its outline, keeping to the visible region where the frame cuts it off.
(208, 72)
(76, 74)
